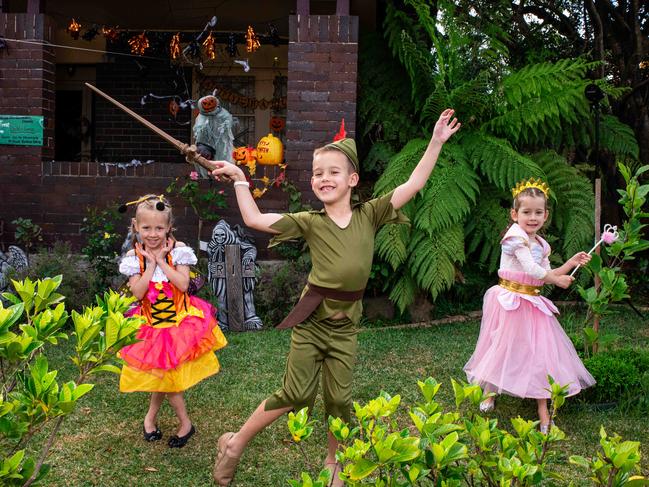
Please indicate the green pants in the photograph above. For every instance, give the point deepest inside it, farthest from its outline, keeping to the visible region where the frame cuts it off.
(327, 345)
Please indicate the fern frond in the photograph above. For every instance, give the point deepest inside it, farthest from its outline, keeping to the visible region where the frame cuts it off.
(542, 103)
(384, 108)
(378, 157)
(575, 202)
(420, 67)
(396, 22)
(400, 166)
(485, 225)
(403, 291)
(390, 244)
(536, 80)
(498, 161)
(618, 137)
(450, 192)
(438, 101)
(543, 118)
(433, 258)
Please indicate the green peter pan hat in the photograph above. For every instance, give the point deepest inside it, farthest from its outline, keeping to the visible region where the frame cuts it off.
(348, 147)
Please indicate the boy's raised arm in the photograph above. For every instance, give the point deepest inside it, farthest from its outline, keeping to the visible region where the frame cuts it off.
(252, 217)
(444, 128)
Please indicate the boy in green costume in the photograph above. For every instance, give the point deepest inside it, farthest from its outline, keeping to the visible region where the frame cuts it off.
(341, 242)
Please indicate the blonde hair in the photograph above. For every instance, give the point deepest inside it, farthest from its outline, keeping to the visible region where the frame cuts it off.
(531, 193)
(152, 202)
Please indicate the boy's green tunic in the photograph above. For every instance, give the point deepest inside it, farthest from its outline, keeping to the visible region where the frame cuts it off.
(341, 259)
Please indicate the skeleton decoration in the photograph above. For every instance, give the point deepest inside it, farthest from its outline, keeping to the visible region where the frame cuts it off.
(11, 262)
(222, 236)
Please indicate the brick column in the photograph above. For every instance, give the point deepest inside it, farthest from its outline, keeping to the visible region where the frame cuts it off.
(322, 67)
(26, 88)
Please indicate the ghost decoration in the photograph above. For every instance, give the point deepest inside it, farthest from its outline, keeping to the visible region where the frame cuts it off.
(213, 132)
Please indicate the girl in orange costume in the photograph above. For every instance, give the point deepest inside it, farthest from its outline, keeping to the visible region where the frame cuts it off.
(180, 333)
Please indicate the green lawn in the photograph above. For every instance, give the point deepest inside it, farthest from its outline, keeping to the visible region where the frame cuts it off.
(101, 444)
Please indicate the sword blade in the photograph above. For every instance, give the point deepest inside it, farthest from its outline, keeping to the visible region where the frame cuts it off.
(209, 165)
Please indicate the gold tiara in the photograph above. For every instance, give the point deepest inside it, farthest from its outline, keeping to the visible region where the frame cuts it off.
(531, 183)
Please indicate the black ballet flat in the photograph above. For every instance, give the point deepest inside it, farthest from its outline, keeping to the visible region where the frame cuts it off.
(179, 441)
(153, 435)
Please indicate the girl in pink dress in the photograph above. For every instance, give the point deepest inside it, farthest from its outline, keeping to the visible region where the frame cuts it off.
(521, 342)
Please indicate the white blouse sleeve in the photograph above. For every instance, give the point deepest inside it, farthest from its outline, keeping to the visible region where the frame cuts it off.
(528, 264)
(183, 256)
(129, 265)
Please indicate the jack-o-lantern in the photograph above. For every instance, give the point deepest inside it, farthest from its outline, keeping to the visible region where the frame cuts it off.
(239, 154)
(208, 104)
(270, 151)
(246, 156)
(277, 124)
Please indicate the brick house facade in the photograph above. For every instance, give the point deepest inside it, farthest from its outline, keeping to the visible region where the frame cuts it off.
(321, 68)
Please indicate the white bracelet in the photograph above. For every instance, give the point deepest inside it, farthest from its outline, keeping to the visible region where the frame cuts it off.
(242, 183)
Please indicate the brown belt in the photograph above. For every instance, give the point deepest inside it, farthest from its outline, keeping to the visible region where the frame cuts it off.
(518, 287)
(312, 299)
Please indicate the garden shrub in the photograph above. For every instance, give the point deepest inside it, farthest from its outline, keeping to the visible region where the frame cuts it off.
(34, 398)
(279, 289)
(101, 250)
(616, 374)
(59, 260)
(458, 447)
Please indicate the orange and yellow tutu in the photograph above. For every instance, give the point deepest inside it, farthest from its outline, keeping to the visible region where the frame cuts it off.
(177, 342)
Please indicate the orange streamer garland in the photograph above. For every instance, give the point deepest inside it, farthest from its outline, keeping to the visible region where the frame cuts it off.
(174, 46)
(139, 44)
(208, 45)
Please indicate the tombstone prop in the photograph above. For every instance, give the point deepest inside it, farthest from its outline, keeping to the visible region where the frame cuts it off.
(231, 274)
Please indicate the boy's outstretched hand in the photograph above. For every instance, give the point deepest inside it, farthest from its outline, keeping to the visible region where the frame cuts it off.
(226, 171)
(445, 127)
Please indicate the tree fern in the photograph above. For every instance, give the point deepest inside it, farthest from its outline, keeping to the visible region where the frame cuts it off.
(433, 258)
(541, 102)
(498, 161)
(378, 157)
(420, 68)
(450, 193)
(402, 293)
(575, 203)
(384, 109)
(485, 225)
(618, 138)
(391, 244)
(400, 166)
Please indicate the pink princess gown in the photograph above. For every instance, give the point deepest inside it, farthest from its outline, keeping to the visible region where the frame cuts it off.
(521, 342)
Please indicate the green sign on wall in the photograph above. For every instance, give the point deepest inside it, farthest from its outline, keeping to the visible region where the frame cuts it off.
(21, 130)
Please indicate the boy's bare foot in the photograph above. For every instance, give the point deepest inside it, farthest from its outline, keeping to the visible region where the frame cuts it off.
(335, 468)
(226, 460)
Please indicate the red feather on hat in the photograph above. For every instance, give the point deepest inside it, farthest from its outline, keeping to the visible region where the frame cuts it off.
(341, 133)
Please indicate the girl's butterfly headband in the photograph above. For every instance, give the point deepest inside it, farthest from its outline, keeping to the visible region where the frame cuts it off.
(160, 204)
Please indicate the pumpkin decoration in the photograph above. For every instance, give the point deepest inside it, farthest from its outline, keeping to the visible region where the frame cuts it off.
(208, 104)
(277, 124)
(246, 156)
(270, 151)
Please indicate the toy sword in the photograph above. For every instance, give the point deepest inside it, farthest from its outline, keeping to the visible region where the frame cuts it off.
(189, 151)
